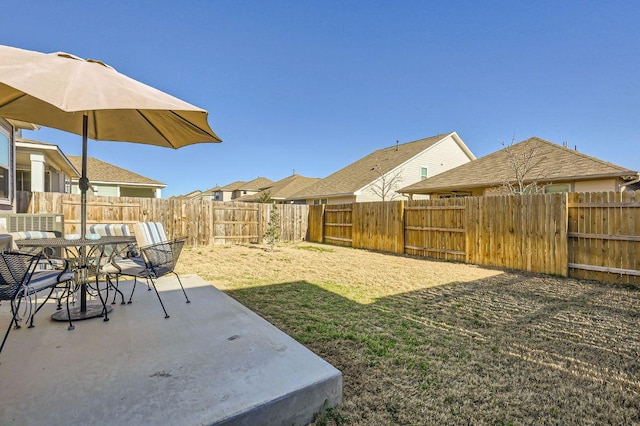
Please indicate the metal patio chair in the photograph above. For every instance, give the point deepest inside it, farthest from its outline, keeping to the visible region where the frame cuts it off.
(22, 277)
(120, 250)
(156, 256)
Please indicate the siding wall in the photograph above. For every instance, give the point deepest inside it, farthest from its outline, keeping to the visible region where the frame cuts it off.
(602, 185)
(443, 156)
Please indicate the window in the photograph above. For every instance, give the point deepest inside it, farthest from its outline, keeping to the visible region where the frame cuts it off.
(5, 149)
(23, 180)
(321, 201)
(423, 173)
(556, 188)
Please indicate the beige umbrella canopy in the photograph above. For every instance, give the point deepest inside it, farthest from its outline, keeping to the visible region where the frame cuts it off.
(89, 98)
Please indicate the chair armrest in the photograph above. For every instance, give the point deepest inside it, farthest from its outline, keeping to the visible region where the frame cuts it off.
(161, 258)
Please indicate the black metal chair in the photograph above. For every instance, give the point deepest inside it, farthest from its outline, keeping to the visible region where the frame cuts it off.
(153, 262)
(23, 275)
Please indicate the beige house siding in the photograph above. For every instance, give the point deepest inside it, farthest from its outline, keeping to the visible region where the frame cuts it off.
(597, 185)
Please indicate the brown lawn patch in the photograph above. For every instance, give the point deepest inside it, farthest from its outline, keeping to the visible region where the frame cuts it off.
(423, 342)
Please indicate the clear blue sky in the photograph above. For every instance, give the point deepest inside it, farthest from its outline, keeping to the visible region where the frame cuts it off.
(315, 85)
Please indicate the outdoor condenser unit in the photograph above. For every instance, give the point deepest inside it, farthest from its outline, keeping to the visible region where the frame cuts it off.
(17, 222)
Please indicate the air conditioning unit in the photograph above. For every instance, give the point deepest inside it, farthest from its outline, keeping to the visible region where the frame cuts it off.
(17, 222)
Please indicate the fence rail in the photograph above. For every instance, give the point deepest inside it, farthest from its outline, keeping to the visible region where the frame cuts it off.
(203, 222)
(582, 235)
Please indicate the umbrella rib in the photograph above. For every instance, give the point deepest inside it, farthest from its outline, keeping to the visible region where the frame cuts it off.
(197, 127)
(156, 128)
(182, 119)
(13, 100)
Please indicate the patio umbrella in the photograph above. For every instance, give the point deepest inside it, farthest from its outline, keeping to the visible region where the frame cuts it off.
(90, 98)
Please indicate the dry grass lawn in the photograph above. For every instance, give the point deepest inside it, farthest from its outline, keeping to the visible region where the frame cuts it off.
(422, 342)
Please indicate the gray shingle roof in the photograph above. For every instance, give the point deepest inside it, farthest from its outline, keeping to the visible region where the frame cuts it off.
(101, 171)
(555, 163)
(233, 186)
(256, 184)
(359, 173)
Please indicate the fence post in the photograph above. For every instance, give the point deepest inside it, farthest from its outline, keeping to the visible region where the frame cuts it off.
(401, 225)
(260, 215)
(322, 223)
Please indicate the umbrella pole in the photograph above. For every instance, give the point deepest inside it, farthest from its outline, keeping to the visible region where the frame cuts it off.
(84, 186)
(84, 181)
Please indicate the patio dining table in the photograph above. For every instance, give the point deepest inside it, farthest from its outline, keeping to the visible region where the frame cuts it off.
(82, 252)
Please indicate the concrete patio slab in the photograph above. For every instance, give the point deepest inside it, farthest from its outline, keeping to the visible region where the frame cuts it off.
(213, 362)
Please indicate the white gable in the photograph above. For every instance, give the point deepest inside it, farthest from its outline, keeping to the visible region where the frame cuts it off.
(444, 155)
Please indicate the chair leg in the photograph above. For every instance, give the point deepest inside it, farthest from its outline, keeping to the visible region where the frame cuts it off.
(59, 299)
(102, 300)
(13, 319)
(117, 290)
(15, 309)
(181, 286)
(40, 307)
(69, 284)
(166, 315)
(135, 281)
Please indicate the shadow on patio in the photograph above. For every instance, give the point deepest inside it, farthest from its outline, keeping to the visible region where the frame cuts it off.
(214, 361)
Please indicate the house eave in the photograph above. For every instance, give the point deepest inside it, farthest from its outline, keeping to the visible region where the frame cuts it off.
(627, 175)
(136, 184)
(315, 196)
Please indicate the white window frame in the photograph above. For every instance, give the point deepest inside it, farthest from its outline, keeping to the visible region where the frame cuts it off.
(424, 172)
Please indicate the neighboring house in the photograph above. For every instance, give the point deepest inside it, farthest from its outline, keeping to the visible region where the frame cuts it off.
(226, 192)
(554, 168)
(235, 190)
(252, 187)
(194, 194)
(109, 180)
(281, 190)
(212, 194)
(379, 175)
(42, 167)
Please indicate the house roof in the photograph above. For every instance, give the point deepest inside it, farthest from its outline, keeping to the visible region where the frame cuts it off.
(52, 153)
(283, 188)
(211, 190)
(357, 175)
(232, 186)
(100, 171)
(256, 184)
(555, 163)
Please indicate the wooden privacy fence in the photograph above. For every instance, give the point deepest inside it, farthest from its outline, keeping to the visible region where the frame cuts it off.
(203, 222)
(583, 235)
(604, 236)
(591, 236)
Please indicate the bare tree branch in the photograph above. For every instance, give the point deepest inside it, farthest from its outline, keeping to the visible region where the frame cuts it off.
(524, 172)
(387, 184)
